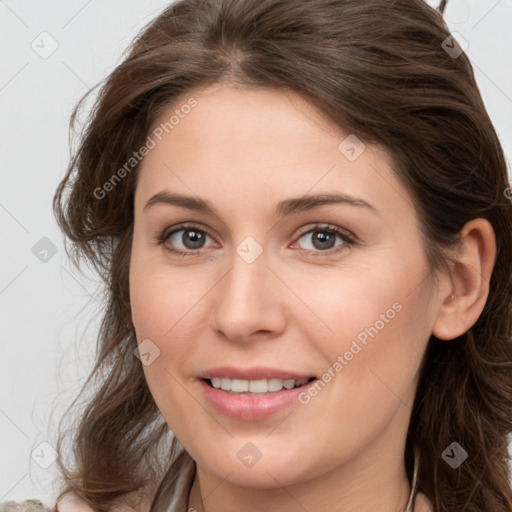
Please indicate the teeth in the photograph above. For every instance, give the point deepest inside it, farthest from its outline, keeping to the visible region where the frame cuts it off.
(255, 386)
(239, 386)
(274, 384)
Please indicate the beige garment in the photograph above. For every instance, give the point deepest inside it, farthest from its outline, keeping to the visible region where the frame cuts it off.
(24, 506)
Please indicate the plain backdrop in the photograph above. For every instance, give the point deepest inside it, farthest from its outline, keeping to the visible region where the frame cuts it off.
(51, 53)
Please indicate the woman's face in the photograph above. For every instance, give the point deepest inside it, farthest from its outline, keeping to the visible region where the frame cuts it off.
(262, 288)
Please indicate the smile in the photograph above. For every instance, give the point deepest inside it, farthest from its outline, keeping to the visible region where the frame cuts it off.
(251, 400)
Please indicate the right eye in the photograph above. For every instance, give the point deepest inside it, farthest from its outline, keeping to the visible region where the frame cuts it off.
(189, 236)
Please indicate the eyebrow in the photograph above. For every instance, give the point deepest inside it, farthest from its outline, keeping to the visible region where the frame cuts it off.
(283, 208)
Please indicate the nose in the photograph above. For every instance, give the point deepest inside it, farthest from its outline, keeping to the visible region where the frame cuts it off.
(249, 302)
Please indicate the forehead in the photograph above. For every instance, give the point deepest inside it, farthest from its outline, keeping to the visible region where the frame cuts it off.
(253, 147)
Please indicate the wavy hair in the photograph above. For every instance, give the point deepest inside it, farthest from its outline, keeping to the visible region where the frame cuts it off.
(380, 69)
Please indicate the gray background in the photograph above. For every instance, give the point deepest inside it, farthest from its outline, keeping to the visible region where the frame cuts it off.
(49, 312)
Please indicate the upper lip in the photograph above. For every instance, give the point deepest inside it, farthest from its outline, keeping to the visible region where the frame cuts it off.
(253, 373)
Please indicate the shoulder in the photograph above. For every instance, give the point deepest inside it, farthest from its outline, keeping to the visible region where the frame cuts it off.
(24, 506)
(423, 504)
(72, 504)
(67, 504)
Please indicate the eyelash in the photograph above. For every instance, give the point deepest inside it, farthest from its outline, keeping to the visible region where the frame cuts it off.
(326, 228)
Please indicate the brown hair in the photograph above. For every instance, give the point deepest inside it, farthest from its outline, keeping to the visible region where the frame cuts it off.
(378, 69)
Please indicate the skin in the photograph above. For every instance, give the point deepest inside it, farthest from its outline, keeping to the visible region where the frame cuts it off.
(296, 307)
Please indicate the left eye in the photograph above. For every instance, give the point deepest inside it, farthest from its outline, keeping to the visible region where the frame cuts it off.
(324, 239)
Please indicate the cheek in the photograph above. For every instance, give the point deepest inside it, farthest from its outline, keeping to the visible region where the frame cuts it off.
(166, 316)
(371, 362)
(346, 305)
(161, 311)
(161, 297)
(373, 330)
(168, 306)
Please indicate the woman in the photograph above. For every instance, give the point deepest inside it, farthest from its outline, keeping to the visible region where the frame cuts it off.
(301, 213)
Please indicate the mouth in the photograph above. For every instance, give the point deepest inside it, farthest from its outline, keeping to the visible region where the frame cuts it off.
(252, 400)
(256, 387)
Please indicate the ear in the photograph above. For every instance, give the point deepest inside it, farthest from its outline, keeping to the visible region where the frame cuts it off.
(470, 277)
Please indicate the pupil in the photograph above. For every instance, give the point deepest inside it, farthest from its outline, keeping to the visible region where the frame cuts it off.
(194, 240)
(325, 240)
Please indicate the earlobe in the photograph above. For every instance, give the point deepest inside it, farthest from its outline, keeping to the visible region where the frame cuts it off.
(462, 305)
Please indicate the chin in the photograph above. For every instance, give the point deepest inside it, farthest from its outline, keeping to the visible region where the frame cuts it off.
(265, 467)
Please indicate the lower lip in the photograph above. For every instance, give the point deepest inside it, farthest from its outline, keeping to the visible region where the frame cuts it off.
(251, 407)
